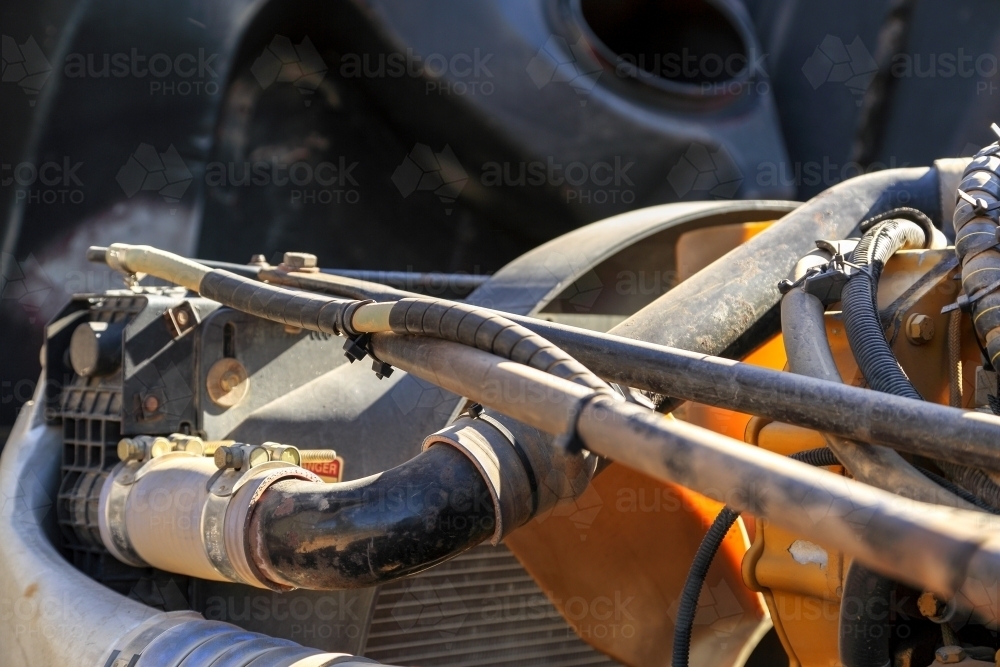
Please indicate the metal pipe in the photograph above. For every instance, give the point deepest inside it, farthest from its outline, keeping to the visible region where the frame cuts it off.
(730, 307)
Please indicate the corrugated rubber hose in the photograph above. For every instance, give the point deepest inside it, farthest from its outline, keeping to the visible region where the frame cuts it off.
(861, 318)
(688, 606)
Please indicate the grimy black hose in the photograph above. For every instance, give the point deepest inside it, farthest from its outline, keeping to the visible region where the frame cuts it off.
(373, 530)
(709, 547)
(864, 636)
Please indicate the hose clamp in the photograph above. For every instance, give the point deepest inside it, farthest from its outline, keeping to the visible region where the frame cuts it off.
(111, 522)
(222, 486)
(570, 440)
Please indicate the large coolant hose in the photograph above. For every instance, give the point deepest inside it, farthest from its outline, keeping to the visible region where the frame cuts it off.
(373, 530)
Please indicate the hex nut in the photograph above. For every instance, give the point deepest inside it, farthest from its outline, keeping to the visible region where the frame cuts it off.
(300, 260)
(949, 654)
(919, 329)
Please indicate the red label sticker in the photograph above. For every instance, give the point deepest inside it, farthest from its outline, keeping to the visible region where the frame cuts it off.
(329, 471)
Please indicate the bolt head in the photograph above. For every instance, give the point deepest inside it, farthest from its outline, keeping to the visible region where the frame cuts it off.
(182, 318)
(919, 329)
(300, 260)
(949, 654)
(224, 458)
(151, 404)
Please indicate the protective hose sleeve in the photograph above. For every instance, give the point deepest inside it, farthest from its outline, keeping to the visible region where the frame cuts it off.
(299, 309)
(976, 245)
(861, 318)
(489, 332)
(688, 606)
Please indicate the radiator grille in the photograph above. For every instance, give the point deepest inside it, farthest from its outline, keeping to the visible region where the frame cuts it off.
(481, 608)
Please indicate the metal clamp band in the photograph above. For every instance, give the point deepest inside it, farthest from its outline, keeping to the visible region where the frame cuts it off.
(114, 497)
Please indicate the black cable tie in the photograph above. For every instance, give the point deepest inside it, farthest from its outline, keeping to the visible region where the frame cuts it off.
(570, 441)
(382, 369)
(475, 410)
(357, 347)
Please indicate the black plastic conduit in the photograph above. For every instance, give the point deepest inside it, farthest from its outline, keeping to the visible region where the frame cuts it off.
(861, 317)
(709, 547)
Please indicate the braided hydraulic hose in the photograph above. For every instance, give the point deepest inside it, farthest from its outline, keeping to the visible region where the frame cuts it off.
(976, 245)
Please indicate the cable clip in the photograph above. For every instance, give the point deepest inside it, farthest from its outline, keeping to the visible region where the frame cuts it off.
(358, 347)
(980, 205)
(966, 302)
(825, 282)
(570, 440)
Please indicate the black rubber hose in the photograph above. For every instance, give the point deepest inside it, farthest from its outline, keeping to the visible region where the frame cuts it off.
(437, 318)
(865, 618)
(927, 429)
(861, 318)
(488, 331)
(688, 605)
(373, 530)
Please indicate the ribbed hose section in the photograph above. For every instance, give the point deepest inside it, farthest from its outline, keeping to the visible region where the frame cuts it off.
(688, 605)
(489, 332)
(976, 245)
(182, 639)
(975, 480)
(861, 319)
(305, 310)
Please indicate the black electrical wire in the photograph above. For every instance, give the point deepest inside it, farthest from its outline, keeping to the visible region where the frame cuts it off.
(703, 558)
